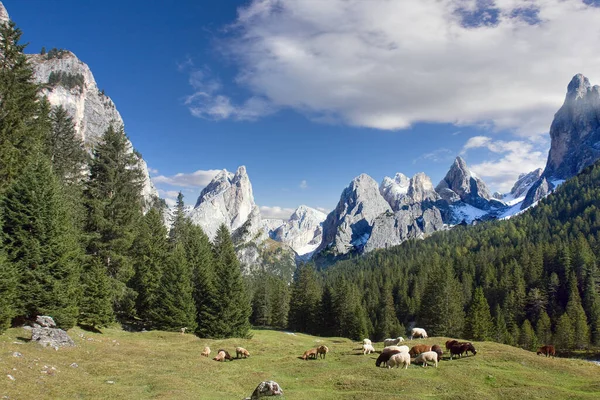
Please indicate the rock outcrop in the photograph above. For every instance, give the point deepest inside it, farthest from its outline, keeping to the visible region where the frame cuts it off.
(394, 190)
(575, 138)
(348, 227)
(460, 183)
(303, 232)
(46, 333)
(4, 18)
(68, 82)
(266, 389)
(524, 183)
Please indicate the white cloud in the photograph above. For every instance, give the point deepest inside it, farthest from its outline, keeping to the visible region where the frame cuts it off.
(323, 210)
(303, 184)
(388, 64)
(515, 157)
(436, 156)
(198, 179)
(153, 171)
(276, 212)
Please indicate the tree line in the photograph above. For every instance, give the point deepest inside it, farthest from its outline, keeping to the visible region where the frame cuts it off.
(77, 240)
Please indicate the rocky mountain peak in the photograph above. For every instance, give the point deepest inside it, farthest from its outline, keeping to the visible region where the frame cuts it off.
(524, 182)
(303, 232)
(578, 87)
(394, 189)
(4, 18)
(462, 184)
(421, 189)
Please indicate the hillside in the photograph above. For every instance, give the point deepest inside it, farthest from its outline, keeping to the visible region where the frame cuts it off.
(163, 365)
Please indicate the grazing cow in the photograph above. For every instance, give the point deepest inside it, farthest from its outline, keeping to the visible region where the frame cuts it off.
(240, 351)
(450, 343)
(397, 359)
(322, 351)
(417, 333)
(427, 357)
(385, 357)
(368, 349)
(547, 350)
(227, 356)
(418, 349)
(312, 353)
(206, 352)
(438, 350)
(392, 342)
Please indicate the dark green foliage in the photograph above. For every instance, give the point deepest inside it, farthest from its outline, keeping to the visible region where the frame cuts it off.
(543, 329)
(113, 207)
(232, 304)
(150, 257)
(351, 319)
(43, 51)
(501, 333)
(527, 338)
(388, 325)
(175, 308)
(66, 80)
(42, 245)
(56, 53)
(305, 301)
(563, 335)
(8, 288)
(19, 136)
(96, 305)
(479, 325)
(577, 315)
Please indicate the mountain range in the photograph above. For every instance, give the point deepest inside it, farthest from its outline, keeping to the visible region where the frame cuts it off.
(369, 215)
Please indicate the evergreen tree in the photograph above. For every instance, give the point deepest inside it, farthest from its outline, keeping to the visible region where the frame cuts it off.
(95, 307)
(150, 257)
(280, 304)
(563, 335)
(174, 307)
(329, 318)
(388, 325)
(577, 315)
(479, 324)
(41, 243)
(350, 315)
(19, 135)
(177, 232)
(543, 329)
(591, 303)
(64, 148)
(232, 305)
(442, 305)
(305, 301)
(501, 333)
(261, 301)
(113, 206)
(8, 288)
(527, 339)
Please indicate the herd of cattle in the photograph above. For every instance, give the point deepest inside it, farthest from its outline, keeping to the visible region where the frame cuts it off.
(392, 354)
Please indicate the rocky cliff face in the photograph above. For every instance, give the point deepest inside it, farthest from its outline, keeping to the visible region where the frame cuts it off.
(348, 227)
(4, 18)
(524, 183)
(575, 138)
(92, 111)
(303, 232)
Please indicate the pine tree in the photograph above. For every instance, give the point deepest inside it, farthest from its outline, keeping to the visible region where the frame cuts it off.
(261, 301)
(19, 136)
(96, 305)
(577, 315)
(479, 324)
(563, 335)
(177, 232)
(305, 301)
(41, 243)
(328, 316)
(501, 333)
(543, 329)
(175, 307)
(442, 309)
(232, 305)
(150, 256)
(8, 288)
(280, 304)
(388, 325)
(527, 339)
(591, 303)
(113, 206)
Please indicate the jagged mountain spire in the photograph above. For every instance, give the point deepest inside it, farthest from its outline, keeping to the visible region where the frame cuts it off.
(4, 18)
(461, 183)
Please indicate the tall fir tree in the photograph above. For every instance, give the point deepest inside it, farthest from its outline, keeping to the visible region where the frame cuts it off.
(527, 338)
(232, 305)
(501, 333)
(543, 329)
(479, 324)
(96, 305)
(150, 256)
(563, 335)
(577, 315)
(388, 325)
(113, 207)
(41, 242)
(261, 301)
(328, 316)
(8, 288)
(305, 301)
(280, 304)
(175, 308)
(20, 137)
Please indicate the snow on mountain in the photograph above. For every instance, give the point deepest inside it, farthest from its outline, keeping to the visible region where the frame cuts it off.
(303, 232)
(4, 18)
(394, 190)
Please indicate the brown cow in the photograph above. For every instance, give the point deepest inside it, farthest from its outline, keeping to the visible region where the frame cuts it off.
(312, 353)
(438, 350)
(547, 350)
(418, 349)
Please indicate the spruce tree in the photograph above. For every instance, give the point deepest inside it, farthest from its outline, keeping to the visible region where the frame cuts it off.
(305, 301)
(41, 243)
(329, 318)
(280, 304)
(563, 335)
(232, 304)
(20, 138)
(96, 305)
(113, 207)
(174, 308)
(543, 329)
(150, 256)
(577, 315)
(261, 301)
(8, 288)
(388, 325)
(527, 339)
(479, 324)
(501, 333)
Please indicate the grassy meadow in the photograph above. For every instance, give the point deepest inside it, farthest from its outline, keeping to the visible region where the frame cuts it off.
(163, 365)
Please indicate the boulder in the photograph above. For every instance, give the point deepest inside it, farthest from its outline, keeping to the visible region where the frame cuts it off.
(44, 332)
(266, 389)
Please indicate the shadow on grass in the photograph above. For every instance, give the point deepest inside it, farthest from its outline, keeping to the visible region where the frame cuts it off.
(89, 328)
(23, 339)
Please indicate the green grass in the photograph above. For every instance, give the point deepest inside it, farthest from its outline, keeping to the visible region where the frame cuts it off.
(161, 365)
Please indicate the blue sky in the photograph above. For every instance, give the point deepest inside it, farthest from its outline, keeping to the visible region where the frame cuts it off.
(309, 94)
